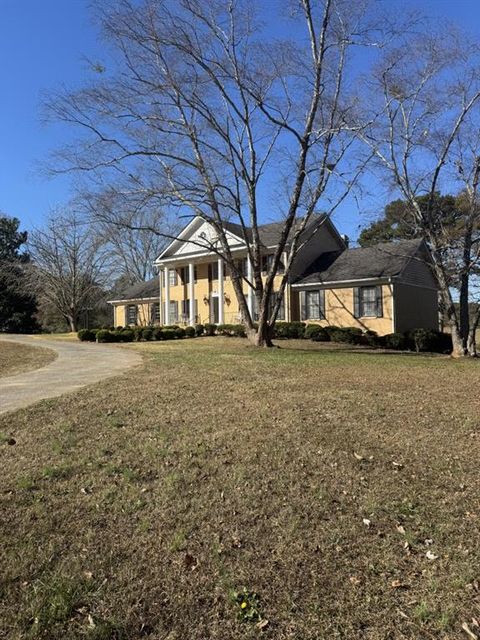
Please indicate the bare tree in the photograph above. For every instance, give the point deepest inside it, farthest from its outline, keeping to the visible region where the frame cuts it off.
(221, 116)
(70, 266)
(423, 94)
(129, 225)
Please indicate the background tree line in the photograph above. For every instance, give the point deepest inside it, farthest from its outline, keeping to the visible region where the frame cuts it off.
(59, 277)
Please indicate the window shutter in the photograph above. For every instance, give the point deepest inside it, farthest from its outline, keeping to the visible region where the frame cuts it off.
(303, 306)
(322, 304)
(356, 302)
(379, 301)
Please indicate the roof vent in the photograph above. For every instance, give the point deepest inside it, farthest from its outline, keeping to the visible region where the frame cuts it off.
(346, 239)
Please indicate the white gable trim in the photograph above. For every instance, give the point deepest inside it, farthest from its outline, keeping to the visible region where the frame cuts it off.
(179, 245)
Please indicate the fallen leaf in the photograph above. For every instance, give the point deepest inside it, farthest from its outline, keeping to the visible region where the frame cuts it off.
(399, 465)
(397, 584)
(358, 456)
(400, 529)
(430, 555)
(91, 623)
(468, 631)
(428, 542)
(367, 522)
(263, 624)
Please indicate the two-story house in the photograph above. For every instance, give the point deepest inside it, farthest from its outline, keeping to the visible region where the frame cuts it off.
(385, 288)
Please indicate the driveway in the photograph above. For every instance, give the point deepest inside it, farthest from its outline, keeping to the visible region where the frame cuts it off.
(77, 364)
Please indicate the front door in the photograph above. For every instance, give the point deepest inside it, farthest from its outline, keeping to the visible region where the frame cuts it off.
(214, 309)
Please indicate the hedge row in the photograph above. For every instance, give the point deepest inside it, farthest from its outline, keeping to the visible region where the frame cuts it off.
(412, 340)
(121, 334)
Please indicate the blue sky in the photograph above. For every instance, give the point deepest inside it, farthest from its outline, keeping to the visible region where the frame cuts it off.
(43, 44)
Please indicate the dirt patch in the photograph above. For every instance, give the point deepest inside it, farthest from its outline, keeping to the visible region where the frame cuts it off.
(336, 494)
(18, 358)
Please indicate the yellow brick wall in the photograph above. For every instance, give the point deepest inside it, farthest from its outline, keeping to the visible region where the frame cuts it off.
(339, 311)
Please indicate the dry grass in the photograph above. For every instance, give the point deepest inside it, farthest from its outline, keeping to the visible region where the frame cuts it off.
(136, 508)
(19, 358)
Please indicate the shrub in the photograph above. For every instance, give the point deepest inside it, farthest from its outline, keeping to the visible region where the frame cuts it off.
(371, 338)
(445, 344)
(231, 330)
(147, 333)
(171, 326)
(168, 334)
(125, 335)
(349, 335)
(209, 329)
(289, 330)
(137, 333)
(179, 332)
(190, 332)
(87, 335)
(199, 329)
(394, 341)
(104, 335)
(428, 340)
(157, 333)
(316, 333)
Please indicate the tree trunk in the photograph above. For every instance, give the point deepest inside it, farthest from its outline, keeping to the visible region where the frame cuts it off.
(459, 346)
(262, 336)
(72, 323)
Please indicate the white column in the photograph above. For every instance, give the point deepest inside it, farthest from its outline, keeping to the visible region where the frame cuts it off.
(220, 292)
(250, 290)
(167, 295)
(191, 292)
(160, 271)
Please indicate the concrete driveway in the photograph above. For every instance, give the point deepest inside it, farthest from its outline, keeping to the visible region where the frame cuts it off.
(77, 364)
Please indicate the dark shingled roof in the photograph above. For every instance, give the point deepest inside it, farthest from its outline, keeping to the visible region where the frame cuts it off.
(270, 233)
(139, 290)
(382, 260)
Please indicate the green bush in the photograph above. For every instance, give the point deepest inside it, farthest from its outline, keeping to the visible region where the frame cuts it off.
(394, 341)
(157, 333)
(171, 326)
(104, 335)
(209, 329)
(137, 333)
(316, 333)
(179, 332)
(428, 340)
(199, 329)
(348, 335)
(289, 330)
(125, 335)
(147, 334)
(168, 334)
(87, 335)
(190, 332)
(371, 338)
(237, 330)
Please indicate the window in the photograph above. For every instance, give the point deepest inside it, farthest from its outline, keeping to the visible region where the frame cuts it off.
(172, 278)
(186, 310)
(185, 274)
(368, 302)
(313, 305)
(242, 266)
(132, 314)
(281, 310)
(267, 262)
(213, 271)
(155, 313)
(173, 312)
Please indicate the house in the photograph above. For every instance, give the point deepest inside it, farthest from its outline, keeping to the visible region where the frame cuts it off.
(384, 288)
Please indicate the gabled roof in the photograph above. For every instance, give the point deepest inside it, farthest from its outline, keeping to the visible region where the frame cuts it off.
(384, 260)
(269, 233)
(140, 291)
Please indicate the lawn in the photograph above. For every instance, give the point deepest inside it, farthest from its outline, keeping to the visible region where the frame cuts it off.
(341, 488)
(18, 358)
